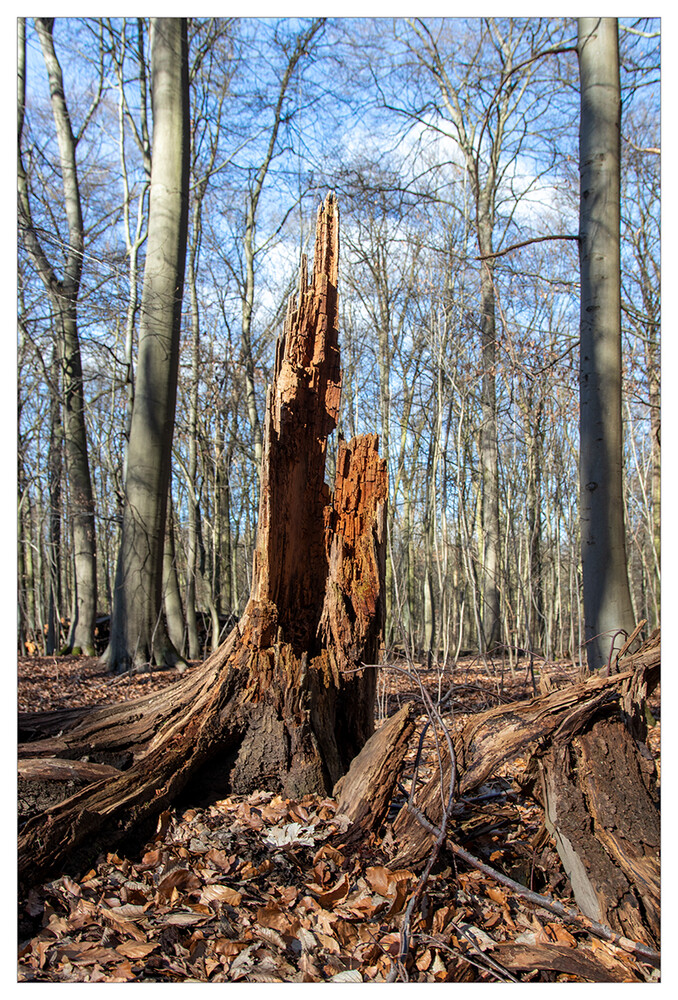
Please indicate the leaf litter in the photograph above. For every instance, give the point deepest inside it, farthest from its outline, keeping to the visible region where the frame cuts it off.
(264, 889)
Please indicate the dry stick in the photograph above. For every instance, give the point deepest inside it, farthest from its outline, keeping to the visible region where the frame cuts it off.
(631, 639)
(642, 951)
(495, 967)
(399, 964)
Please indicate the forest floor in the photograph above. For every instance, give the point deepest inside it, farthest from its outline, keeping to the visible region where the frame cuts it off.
(258, 888)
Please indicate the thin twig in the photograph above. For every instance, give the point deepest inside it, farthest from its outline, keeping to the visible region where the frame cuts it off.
(642, 951)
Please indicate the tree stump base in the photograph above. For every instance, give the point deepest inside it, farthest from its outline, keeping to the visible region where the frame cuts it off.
(285, 703)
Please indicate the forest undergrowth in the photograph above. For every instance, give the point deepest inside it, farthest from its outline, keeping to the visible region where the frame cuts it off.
(266, 889)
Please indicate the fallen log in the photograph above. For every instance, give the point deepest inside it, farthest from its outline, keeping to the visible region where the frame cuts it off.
(365, 793)
(596, 784)
(284, 703)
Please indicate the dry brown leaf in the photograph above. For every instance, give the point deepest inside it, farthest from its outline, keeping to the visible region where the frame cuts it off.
(179, 878)
(123, 973)
(309, 969)
(496, 894)
(329, 853)
(220, 859)
(137, 949)
(228, 948)
(87, 953)
(337, 894)
(366, 907)
(399, 899)
(122, 925)
(150, 859)
(127, 910)
(274, 917)
(441, 918)
(271, 936)
(391, 943)
(183, 918)
(288, 895)
(328, 942)
(220, 894)
(380, 879)
(563, 936)
(83, 914)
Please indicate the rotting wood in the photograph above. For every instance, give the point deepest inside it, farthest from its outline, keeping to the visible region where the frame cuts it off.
(598, 789)
(365, 792)
(586, 964)
(284, 703)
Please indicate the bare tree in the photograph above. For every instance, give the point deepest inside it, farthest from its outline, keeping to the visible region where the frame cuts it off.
(607, 600)
(138, 632)
(64, 293)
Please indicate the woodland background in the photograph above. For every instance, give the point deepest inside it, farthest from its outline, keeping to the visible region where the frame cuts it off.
(281, 111)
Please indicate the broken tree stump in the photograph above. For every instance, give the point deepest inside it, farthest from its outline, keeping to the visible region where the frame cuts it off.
(284, 703)
(365, 793)
(596, 784)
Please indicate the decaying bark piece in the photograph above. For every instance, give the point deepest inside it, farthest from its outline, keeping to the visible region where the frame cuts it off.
(364, 794)
(597, 785)
(596, 967)
(284, 703)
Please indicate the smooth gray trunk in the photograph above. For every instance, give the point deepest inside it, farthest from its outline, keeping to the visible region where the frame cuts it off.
(138, 633)
(607, 601)
(172, 595)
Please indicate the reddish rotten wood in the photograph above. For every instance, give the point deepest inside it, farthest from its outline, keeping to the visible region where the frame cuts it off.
(284, 703)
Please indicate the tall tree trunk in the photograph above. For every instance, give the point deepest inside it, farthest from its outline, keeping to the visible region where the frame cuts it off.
(55, 475)
(285, 703)
(489, 448)
(536, 621)
(64, 294)
(607, 600)
(174, 612)
(653, 366)
(80, 495)
(138, 632)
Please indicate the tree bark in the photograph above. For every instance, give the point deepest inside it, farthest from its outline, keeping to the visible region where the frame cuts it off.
(607, 600)
(64, 293)
(594, 777)
(285, 703)
(138, 631)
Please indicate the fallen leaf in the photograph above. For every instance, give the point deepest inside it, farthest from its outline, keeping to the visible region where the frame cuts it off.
(220, 894)
(137, 949)
(380, 879)
(275, 918)
(183, 918)
(349, 976)
(87, 953)
(291, 833)
(179, 878)
(562, 936)
(329, 853)
(496, 894)
(336, 894)
(271, 936)
(222, 860)
(480, 939)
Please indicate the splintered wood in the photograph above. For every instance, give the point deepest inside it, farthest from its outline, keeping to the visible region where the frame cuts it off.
(596, 782)
(285, 703)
